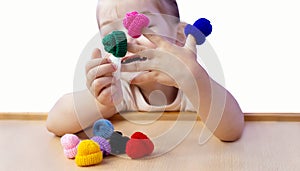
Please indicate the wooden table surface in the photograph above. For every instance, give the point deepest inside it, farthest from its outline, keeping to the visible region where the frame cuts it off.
(265, 145)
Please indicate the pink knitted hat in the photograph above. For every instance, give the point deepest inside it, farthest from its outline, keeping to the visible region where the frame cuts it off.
(134, 22)
(69, 143)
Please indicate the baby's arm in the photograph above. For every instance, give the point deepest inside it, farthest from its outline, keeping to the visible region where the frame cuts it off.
(76, 111)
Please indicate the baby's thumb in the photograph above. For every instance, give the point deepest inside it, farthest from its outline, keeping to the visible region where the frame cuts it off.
(96, 53)
(190, 43)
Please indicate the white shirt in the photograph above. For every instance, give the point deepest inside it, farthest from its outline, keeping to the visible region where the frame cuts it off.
(133, 100)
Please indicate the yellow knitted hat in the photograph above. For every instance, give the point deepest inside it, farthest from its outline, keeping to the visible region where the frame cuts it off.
(88, 153)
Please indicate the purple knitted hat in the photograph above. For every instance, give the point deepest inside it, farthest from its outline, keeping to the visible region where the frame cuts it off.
(103, 143)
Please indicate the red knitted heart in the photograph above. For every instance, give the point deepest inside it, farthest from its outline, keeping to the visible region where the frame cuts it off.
(139, 135)
(139, 146)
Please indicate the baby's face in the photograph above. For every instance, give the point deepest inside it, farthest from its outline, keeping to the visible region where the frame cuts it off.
(110, 14)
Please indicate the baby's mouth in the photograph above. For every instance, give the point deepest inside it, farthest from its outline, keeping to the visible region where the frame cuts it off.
(133, 58)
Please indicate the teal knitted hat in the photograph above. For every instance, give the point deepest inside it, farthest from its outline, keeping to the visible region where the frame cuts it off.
(115, 43)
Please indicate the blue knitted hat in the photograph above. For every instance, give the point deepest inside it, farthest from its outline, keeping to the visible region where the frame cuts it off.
(103, 128)
(199, 30)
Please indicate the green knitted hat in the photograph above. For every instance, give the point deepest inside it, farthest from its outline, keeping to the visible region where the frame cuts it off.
(115, 43)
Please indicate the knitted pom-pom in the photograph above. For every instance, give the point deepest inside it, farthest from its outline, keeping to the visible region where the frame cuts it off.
(115, 43)
(88, 153)
(104, 145)
(118, 143)
(69, 143)
(134, 22)
(199, 30)
(103, 128)
(139, 135)
(139, 146)
(204, 26)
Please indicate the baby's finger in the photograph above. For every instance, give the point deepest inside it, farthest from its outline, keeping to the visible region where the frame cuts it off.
(110, 95)
(95, 62)
(145, 65)
(144, 77)
(133, 48)
(100, 71)
(155, 38)
(105, 96)
(96, 53)
(99, 84)
(191, 43)
(135, 67)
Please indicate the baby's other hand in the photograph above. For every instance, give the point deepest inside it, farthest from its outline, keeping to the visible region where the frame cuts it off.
(100, 80)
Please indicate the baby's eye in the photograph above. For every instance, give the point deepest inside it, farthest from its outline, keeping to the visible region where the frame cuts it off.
(153, 28)
(150, 26)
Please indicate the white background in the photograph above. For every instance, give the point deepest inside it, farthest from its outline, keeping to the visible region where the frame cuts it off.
(257, 43)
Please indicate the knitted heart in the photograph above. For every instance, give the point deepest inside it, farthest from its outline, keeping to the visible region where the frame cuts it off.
(103, 128)
(199, 30)
(134, 22)
(139, 146)
(115, 43)
(118, 143)
(69, 143)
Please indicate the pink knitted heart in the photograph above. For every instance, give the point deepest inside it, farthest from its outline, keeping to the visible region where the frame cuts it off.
(134, 22)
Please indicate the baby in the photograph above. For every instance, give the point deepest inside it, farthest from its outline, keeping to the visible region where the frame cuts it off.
(156, 84)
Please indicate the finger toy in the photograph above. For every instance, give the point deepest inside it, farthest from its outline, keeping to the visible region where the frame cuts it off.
(104, 145)
(103, 128)
(139, 146)
(115, 43)
(134, 22)
(69, 143)
(88, 153)
(118, 143)
(199, 30)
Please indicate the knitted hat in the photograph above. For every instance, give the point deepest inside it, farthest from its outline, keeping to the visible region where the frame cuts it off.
(69, 143)
(104, 145)
(88, 153)
(203, 25)
(139, 146)
(103, 128)
(115, 43)
(199, 30)
(118, 143)
(134, 23)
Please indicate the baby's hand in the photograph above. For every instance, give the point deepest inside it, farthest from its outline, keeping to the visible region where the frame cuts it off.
(165, 63)
(100, 81)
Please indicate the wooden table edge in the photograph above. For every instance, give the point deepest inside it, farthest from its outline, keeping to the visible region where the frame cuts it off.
(284, 117)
